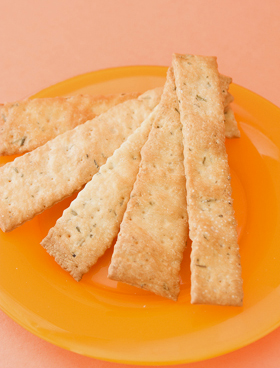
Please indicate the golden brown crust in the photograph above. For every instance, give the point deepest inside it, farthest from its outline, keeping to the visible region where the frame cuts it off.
(154, 231)
(215, 261)
(39, 179)
(26, 125)
(88, 227)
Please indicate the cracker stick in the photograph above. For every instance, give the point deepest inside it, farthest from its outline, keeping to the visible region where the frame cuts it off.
(154, 231)
(39, 179)
(215, 260)
(88, 227)
(26, 125)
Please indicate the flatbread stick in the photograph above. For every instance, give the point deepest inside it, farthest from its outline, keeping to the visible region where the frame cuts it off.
(89, 226)
(154, 231)
(215, 261)
(37, 180)
(26, 125)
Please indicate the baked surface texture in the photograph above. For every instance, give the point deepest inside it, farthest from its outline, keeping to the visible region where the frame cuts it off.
(215, 261)
(39, 179)
(89, 226)
(28, 124)
(153, 234)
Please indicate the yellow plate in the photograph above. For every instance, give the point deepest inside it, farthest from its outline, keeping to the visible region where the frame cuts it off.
(111, 321)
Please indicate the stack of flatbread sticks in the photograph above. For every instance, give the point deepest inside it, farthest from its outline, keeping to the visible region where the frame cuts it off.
(151, 169)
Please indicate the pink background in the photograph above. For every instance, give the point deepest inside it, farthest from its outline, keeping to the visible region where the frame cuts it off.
(44, 42)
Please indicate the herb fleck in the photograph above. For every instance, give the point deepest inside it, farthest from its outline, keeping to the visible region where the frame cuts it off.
(96, 164)
(200, 98)
(22, 141)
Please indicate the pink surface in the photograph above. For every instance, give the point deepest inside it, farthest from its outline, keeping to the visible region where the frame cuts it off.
(42, 43)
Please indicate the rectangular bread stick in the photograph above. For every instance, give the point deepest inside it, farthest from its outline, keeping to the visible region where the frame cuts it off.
(153, 234)
(215, 261)
(26, 125)
(39, 179)
(89, 226)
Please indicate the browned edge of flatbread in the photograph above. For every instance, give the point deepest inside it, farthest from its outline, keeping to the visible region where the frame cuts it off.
(39, 179)
(153, 235)
(215, 260)
(28, 124)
